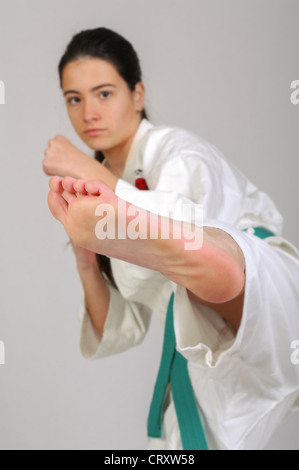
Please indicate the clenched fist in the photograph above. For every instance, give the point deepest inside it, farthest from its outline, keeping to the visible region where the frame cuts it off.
(62, 158)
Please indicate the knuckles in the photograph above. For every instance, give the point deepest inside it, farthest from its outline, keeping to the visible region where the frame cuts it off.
(47, 167)
(57, 139)
(54, 154)
(53, 146)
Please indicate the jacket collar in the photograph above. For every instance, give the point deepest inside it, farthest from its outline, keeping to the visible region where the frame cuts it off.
(130, 166)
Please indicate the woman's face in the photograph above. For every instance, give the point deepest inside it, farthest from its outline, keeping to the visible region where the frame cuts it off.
(103, 110)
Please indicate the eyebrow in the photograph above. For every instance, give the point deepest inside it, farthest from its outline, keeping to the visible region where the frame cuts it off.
(93, 89)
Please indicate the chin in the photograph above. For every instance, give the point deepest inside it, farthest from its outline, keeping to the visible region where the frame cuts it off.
(95, 144)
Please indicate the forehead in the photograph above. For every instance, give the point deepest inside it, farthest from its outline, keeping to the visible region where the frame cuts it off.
(89, 72)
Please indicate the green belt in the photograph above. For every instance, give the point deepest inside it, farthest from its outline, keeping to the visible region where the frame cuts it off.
(174, 370)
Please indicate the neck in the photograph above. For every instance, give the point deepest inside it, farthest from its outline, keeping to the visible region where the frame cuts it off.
(116, 157)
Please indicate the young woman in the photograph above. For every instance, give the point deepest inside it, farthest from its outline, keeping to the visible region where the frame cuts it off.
(229, 303)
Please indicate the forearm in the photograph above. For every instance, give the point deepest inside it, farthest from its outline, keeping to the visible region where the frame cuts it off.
(97, 296)
(93, 170)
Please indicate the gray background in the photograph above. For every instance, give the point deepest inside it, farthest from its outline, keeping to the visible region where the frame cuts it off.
(221, 68)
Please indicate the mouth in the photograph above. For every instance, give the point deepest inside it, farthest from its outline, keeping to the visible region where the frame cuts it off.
(94, 132)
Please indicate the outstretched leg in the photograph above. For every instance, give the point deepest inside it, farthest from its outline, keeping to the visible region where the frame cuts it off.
(213, 273)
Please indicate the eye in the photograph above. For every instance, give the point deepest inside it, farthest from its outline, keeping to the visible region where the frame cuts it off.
(73, 100)
(104, 95)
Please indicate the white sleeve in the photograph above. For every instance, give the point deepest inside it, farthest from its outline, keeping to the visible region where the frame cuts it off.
(126, 325)
(270, 311)
(203, 178)
(170, 191)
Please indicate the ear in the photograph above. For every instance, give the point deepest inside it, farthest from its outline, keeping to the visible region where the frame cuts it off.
(139, 96)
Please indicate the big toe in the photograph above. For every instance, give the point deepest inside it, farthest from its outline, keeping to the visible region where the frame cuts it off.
(57, 206)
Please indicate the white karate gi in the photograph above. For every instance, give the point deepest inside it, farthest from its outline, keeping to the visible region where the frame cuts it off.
(245, 384)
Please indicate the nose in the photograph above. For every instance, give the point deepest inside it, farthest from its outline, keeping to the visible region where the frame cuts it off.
(90, 111)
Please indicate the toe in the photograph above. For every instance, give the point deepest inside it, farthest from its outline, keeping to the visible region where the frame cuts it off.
(68, 196)
(55, 184)
(57, 206)
(68, 184)
(94, 187)
(79, 187)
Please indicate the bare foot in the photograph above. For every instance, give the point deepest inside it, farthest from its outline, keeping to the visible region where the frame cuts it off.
(96, 219)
